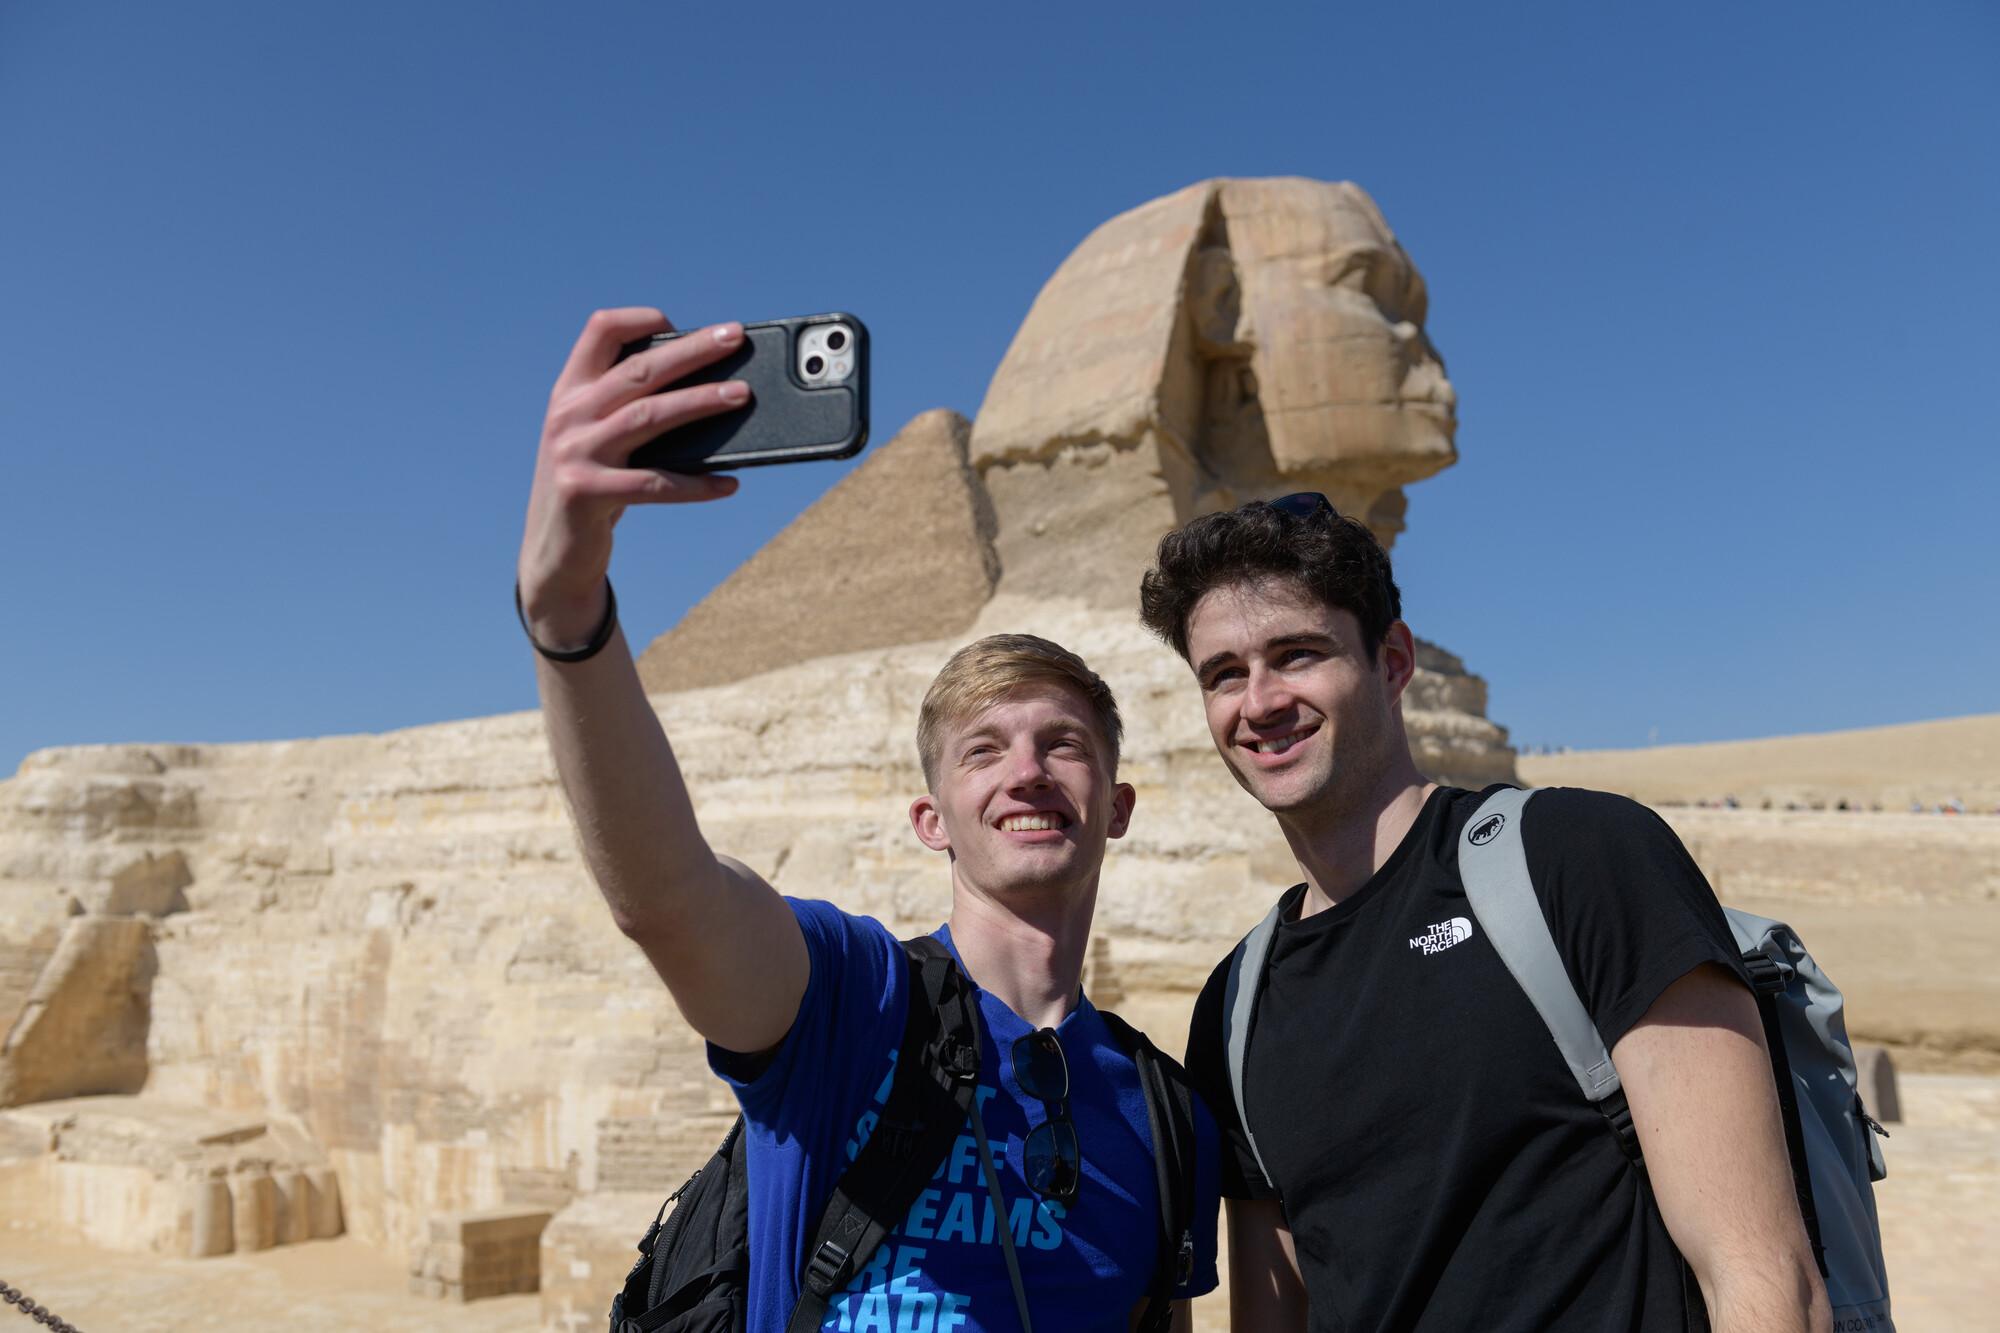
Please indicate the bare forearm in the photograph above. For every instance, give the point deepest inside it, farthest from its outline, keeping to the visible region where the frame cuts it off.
(625, 791)
(1265, 1288)
(1782, 1295)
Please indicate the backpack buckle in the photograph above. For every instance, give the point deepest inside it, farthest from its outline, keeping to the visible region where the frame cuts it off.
(957, 1058)
(825, 1269)
(1618, 1114)
(1766, 975)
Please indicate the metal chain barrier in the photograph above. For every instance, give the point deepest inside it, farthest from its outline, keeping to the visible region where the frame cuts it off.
(40, 1314)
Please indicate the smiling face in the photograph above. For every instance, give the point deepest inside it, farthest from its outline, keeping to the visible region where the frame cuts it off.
(1305, 722)
(1025, 795)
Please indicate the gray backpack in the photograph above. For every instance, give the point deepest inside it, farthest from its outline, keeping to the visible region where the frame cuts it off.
(1833, 1141)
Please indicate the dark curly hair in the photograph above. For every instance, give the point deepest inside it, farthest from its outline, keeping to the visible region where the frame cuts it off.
(1329, 556)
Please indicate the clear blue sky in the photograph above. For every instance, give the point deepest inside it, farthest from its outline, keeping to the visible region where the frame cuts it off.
(285, 286)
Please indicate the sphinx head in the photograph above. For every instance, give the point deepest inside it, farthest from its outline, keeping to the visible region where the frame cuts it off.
(1327, 350)
(1266, 335)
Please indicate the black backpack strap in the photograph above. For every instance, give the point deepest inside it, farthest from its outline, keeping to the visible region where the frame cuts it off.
(1768, 981)
(1170, 1118)
(937, 1072)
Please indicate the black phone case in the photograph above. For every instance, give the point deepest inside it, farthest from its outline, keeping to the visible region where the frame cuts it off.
(786, 421)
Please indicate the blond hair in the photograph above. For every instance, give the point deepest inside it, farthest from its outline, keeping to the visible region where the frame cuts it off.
(996, 668)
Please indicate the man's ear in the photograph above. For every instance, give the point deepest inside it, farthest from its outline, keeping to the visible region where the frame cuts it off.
(929, 824)
(1122, 799)
(1398, 658)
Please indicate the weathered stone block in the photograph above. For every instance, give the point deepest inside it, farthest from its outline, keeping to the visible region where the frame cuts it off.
(498, 1226)
(149, 886)
(83, 1027)
(253, 1201)
(294, 1207)
(474, 1255)
(323, 1220)
(214, 1228)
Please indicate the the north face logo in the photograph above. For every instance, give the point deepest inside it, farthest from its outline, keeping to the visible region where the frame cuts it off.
(1443, 935)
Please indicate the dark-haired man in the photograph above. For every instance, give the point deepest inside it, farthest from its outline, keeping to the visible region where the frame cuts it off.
(1431, 1162)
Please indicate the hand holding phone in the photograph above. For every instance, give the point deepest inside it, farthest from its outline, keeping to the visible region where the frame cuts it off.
(603, 406)
(808, 379)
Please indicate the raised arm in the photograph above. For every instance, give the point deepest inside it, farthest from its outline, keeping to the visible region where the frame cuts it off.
(1698, 1080)
(722, 939)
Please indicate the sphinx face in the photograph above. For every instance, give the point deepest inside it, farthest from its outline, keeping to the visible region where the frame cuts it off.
(1333, 313)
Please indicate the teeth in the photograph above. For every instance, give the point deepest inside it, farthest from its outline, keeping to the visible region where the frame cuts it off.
(1280, 745)
(1029, 823)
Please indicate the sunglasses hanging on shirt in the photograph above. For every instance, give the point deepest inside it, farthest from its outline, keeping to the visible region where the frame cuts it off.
(1053, 1161)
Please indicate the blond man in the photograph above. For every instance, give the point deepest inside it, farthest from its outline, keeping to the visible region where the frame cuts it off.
(802, 1004)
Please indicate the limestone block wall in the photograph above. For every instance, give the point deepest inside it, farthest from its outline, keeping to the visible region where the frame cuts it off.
(391, 941)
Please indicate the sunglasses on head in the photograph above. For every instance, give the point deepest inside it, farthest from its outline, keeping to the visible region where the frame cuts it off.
(1052, 1157)
(1305, 505)
(1312, 507)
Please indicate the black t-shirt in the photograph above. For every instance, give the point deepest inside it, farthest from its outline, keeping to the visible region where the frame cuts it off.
(1438, 1165)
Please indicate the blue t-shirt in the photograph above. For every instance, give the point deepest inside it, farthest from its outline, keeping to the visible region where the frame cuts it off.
(941, 1270)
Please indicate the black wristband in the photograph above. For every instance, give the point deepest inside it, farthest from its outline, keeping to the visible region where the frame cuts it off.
(598, 639)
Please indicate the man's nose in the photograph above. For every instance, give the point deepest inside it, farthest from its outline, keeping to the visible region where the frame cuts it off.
(1026, 767)
(1265, 694)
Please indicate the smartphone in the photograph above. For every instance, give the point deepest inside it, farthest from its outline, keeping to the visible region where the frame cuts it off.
(808, 380)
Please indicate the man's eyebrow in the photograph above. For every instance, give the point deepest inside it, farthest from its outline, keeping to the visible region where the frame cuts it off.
(1305, 639)
(966, 738)
(1210, 662)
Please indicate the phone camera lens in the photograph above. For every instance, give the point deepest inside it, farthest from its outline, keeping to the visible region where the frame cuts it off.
(836, 340)
(815, 364)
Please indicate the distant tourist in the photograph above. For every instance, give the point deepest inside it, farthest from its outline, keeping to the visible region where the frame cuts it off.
(1416, 1153)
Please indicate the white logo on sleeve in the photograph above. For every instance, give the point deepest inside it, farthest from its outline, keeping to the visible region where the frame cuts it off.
(1443, 935)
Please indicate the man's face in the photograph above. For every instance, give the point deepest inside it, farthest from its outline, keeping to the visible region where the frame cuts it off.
(1296, 710)
(1025, 797)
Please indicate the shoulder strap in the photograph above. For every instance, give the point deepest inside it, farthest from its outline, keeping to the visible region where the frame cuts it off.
(1493, 865)
(1170, 1119)
(1768, 980)
(1239, 1007)
(937, 1072)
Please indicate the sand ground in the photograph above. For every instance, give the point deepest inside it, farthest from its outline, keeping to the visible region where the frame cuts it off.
(326, 1286)
(1940, 1211)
